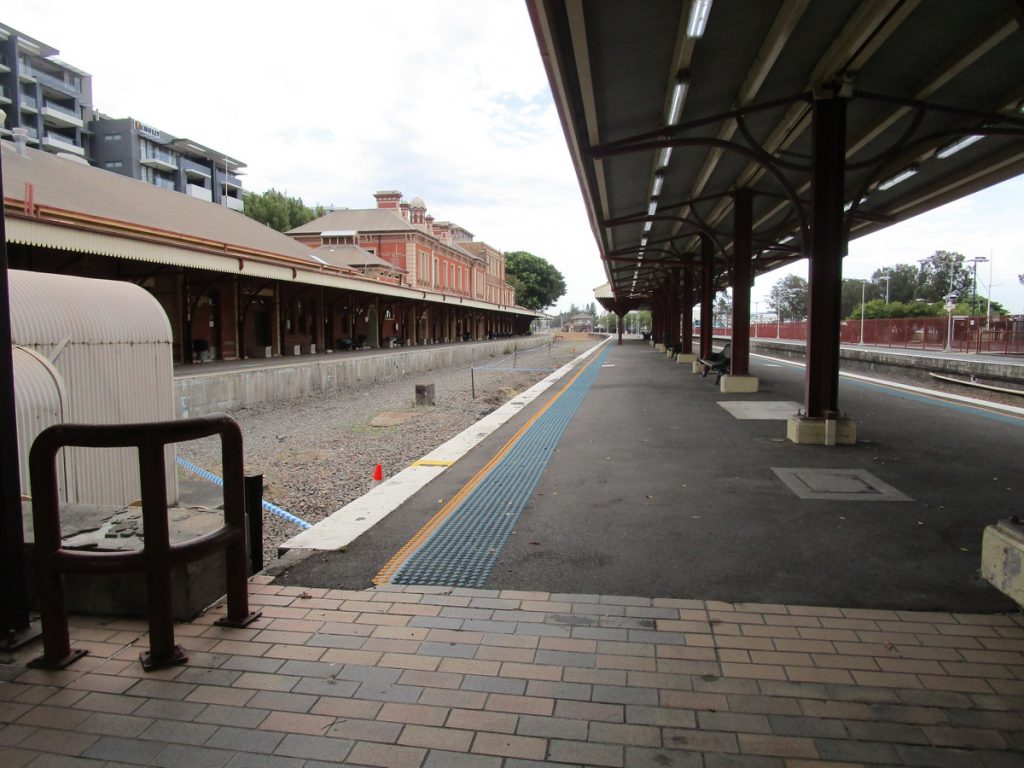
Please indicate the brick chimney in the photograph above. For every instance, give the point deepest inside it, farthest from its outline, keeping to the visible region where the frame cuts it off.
(388, 198)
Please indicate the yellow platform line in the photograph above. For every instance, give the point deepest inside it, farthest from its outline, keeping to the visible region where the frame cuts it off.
(396, 561)
(433, 463)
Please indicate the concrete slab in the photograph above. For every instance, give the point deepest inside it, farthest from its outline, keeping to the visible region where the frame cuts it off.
(776, 410)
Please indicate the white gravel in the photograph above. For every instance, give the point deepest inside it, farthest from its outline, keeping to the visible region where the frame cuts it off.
(318, 453)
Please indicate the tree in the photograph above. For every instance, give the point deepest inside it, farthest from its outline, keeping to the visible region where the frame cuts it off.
(940, 274)
(903, 280)
(278, 211)
(723, 310)
(538, 284)
(850, 296)
(788, 297)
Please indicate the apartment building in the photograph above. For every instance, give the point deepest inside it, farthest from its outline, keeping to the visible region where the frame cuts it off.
(48, 98)
(52, 102)
(132, 148)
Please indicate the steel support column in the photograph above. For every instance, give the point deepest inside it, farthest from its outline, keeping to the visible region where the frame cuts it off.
(14, 614)
(742, 233)
(707, 294)
(828, 134)
(673, 308)
(687, 304)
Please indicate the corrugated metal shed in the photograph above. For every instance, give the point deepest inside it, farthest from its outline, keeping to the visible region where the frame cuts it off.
(111, 343)
(40, 402)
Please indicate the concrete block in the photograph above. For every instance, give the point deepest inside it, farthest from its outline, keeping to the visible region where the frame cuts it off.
(1002, 558)
(669, 353)
(686, 357)
(659, 347)
(424, 394)
(697, 367)
(738, 384)
(806, 431)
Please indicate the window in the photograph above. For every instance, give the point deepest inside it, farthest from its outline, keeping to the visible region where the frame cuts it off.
(112, 164)
(112, 137)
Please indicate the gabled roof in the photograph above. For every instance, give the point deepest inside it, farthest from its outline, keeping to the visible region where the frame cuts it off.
(361, 220)
(352, 256)
(56, 190)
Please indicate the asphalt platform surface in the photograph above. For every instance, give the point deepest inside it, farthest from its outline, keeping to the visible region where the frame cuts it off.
(656, 489)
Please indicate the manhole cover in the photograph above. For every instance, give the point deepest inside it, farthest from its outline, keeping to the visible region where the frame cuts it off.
(838, 484)
(760, 409)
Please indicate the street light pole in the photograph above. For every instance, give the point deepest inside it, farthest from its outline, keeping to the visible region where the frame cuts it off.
(974, 295)
(863, 285)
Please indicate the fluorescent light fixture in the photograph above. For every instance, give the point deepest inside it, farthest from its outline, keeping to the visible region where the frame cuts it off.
(785, 240)
(643, 242)
(647, 227)
(956, 146)
(903, 175)
(699, 12)
(652, 208)
(675, 106)
(666, 155)
(659, 182)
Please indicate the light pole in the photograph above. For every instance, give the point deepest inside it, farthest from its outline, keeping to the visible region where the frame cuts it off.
(863, 285)
(756, 317)
(974, 295)
(950, 299)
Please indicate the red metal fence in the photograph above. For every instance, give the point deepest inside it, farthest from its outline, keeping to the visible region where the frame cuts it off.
(996, 335)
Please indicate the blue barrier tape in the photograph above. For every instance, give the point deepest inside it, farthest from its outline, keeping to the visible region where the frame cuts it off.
(217, 481)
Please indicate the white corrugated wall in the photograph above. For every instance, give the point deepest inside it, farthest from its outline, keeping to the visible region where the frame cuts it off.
(40, 402)
(111, 343)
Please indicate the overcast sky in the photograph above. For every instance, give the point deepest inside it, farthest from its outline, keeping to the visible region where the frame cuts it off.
(442, 99)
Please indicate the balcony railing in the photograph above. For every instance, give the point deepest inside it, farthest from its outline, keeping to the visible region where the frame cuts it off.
(162, 160)
(194, 190)
(50, 81)
(61, 114)
(61, 143)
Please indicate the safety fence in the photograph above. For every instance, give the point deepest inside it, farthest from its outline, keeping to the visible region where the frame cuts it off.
(1002, 335)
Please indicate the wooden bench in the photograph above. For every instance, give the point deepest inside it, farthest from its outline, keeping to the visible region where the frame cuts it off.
(719, 362)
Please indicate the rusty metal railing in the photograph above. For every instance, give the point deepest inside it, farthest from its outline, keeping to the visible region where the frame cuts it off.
(158, 555)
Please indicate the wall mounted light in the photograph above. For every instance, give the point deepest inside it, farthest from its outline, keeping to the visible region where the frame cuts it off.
(698, 21)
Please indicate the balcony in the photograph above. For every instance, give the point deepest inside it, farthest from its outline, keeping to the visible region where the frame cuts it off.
(234, 203)
(55, 142)
(194, 190)
(161, 161)
(162, 183)
(4, 95)
(52, 82)
(56, 114)
(28, 104)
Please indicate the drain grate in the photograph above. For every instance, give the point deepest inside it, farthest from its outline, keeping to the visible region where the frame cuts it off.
(838, 484)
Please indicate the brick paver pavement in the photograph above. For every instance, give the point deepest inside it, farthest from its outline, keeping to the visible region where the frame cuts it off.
(430, 677)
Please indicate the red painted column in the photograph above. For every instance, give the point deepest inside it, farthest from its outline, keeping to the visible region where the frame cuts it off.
(828, 243)
(707, 294)
(741, 274)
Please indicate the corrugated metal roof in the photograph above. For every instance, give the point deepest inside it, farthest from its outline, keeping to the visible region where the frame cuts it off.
(58, 185)
(351, 256)
(361, 220)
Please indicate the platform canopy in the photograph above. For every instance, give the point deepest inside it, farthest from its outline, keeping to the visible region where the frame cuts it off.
(671, 106)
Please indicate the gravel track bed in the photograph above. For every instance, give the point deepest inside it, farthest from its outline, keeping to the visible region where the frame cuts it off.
(318, 453)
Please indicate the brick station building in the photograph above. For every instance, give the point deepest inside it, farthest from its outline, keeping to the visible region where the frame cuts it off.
(235, 288)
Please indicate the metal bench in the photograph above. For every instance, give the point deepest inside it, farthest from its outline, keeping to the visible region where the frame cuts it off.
(719, 362)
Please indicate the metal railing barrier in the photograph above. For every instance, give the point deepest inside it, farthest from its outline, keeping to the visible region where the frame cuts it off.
(158, 555)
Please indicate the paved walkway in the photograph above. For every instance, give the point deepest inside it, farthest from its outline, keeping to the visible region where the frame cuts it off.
(438, 678)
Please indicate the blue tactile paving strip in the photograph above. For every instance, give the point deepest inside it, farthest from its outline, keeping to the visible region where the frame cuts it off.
(464, 548)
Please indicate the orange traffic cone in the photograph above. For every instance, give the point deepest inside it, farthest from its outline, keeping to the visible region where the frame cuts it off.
(378, 473)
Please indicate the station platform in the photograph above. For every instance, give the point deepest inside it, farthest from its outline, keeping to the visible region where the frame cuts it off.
(633, 570)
